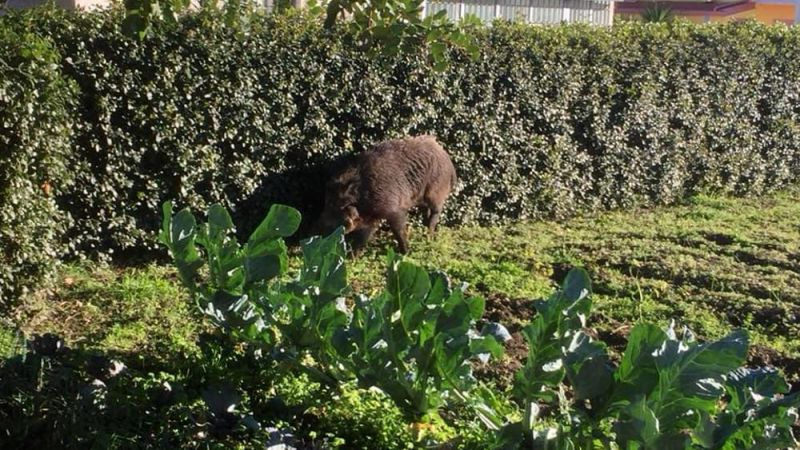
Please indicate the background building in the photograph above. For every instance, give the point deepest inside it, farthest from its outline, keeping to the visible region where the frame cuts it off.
(599, 12)
(766, 11)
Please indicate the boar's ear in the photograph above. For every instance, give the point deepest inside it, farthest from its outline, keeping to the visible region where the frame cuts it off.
(350, 191)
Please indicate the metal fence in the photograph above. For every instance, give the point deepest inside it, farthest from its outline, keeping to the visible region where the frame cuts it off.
(596, 12)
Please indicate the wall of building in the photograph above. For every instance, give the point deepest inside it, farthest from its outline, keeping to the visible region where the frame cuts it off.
(90, 4)
(768, 13)
(744, 15)
(772, 13)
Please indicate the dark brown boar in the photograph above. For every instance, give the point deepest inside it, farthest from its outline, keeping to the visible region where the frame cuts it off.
(384, 183)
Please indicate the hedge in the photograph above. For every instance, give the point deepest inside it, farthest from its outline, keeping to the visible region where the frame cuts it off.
(549, 121)
(34, 144)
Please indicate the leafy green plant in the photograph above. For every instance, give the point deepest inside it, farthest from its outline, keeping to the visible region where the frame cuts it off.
(657, 13)
(53, 396)
(668, 392)
(362, 419)
(384, 27)
(390, 27)
(243, 292)
(415, 340)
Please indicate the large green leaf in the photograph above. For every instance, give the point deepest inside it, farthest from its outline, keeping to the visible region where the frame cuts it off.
(178, 233)
(415, 339)
(476, 306)
(549, 334)
(689, 375)
(409, 285)
(698, 370)
(219, 222)
(408, 282)
(455, 318)
(440, 288)
(641, 427)
(231, 311)
(745, 386)
(544, 367)
(182, 230)
(487, 345)
(637, 374)
(755, 412)
(265, 261)
(768, 426)
(587, 367)
(577, 285)
(324, 264)
(165, 235)
(281, 221)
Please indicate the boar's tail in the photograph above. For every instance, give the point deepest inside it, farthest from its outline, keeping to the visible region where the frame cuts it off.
(453, 181)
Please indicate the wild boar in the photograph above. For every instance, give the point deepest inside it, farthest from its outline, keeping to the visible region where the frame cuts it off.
(384, 183)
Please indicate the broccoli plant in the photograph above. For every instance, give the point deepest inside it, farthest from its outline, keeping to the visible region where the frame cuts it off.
(668, 392)
(415, 340)
(312, 307)
(243, 290)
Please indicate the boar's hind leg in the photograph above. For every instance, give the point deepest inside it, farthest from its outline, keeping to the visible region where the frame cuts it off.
(397, 222)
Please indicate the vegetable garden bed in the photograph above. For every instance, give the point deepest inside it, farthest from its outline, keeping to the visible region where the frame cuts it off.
(714, 264)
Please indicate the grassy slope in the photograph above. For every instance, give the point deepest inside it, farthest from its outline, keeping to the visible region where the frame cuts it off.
(713, 264)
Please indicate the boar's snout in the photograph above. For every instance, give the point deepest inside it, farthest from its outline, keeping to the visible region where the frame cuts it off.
(332, 218)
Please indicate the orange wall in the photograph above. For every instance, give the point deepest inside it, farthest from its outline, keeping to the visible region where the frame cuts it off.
(739, 16)
(765, 13)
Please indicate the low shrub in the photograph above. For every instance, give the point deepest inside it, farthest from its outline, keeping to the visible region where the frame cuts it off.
(53, 396)
(35, 133)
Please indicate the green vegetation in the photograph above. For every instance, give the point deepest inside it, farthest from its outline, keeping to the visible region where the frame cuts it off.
(413, 341)
(300, 345)
(386, 27)
(35, 100)
(657, 13)
(509, 265)
(547, 123)
(136, 311)
(668, 391)
(714, 263)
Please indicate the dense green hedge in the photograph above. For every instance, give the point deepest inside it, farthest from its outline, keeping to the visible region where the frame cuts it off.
(34, 144)
(549, 121)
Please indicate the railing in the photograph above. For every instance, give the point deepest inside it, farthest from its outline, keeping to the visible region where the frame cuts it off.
(596, 12)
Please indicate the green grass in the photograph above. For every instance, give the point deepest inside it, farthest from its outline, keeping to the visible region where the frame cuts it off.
(11, 342)
(141, 311)
(712, 264)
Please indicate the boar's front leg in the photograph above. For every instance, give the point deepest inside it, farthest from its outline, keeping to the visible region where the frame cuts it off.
(397, 223)
(360, 236)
